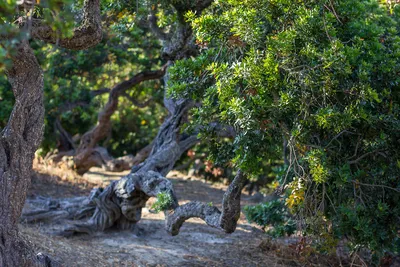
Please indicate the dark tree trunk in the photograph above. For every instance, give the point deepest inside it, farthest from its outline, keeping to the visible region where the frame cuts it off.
(19, 141)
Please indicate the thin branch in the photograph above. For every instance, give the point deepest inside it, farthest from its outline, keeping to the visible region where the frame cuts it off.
(70, 106)
(363, 156)
(94, 93)
(326, 30)
(377, 185)
(337, 136)
(333, 11)
(356, 150)
(64, 133)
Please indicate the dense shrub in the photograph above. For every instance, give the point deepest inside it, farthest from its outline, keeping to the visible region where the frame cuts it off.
(274, 214)
(322, 76)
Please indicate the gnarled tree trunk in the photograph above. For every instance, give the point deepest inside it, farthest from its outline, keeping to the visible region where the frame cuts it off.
(19, 141)
(24, 130)
(121, 203)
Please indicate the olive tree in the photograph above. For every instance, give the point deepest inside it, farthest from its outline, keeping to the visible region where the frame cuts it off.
(120, 204)
(23, 133)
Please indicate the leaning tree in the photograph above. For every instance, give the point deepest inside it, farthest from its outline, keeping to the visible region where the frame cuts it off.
(23, 132)
(120, 204)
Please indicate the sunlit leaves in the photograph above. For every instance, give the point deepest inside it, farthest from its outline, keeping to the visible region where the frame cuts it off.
(324, 75)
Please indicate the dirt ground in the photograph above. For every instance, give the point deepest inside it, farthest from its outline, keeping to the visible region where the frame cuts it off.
(196, 245)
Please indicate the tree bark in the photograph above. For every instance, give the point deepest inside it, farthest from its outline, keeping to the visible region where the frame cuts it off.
(19, 141)
(225, 220)
(167, 148)
(86, 35)
(23, 133)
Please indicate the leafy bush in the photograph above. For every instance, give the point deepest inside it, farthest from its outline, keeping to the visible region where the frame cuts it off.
(273, 213)
(163, 202)
(322, 76)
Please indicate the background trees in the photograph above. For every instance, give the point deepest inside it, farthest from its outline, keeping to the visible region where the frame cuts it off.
(78, 86)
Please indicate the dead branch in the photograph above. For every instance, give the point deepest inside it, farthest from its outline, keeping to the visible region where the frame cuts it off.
(364, 156)
(376, 185)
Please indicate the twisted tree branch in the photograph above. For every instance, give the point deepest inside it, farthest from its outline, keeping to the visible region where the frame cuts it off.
(90, 139)
(137, 103)
(85, 36)
(225, 220)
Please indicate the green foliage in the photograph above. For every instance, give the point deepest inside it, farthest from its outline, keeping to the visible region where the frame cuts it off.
(322, 75)
(274, 214)
(369, 225)
(163, 202)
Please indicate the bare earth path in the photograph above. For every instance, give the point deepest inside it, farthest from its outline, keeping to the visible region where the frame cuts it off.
(196, 245)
